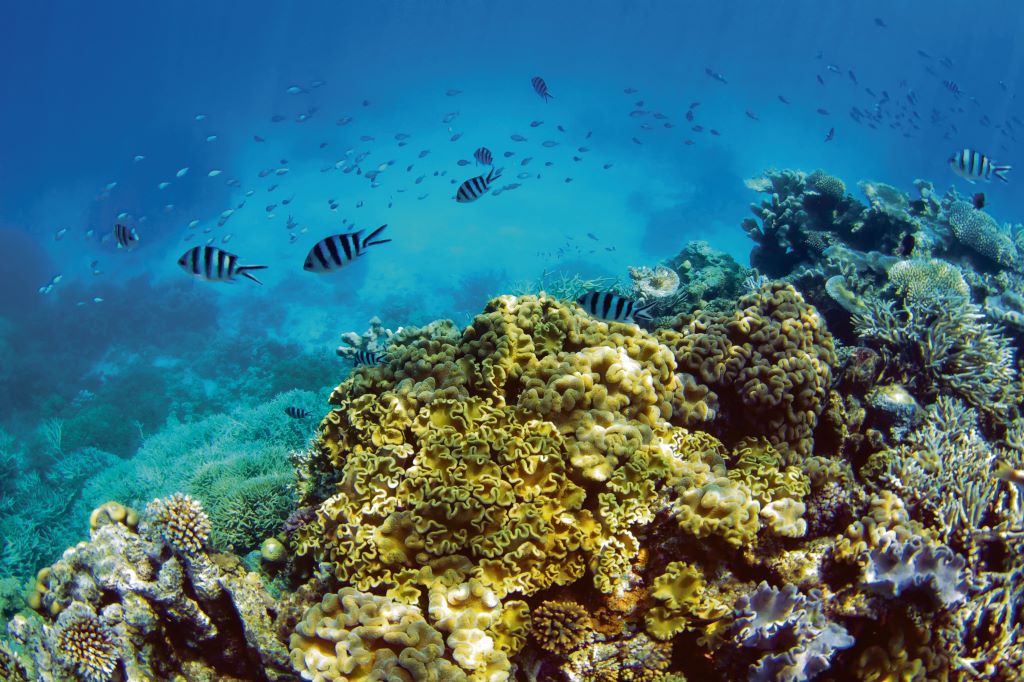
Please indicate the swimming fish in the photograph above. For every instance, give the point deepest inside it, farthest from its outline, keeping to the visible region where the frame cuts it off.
(607, 305)
(181, 172)
(483, 156)
(215, 265)
(296, 412)
(830, 135)
(452, 92)
(126, 237)
(978, 200)
(972, 165)
(474, 188)
(517, 138)
(534, 124)
(337, 251)
(541, 88)
(368, 358)
(717, 76)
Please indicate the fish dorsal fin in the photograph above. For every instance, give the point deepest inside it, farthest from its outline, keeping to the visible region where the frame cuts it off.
(371, 239)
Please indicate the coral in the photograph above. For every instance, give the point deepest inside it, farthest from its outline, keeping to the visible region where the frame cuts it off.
(977, 230)
(158, 613)
(915, 565)
(1006, 308)
(793, 627)
(708, 279)
(632, 659)
(182, 522)
(924, 278)
(828, 186)
(86, 644)
(654, 284)
(375, 339)
(769, 364)
(685, 602)
(561, 626)
(941, 346)
(849, 301)
(354, 636)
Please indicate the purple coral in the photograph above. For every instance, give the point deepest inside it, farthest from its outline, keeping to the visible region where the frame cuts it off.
(936, 570)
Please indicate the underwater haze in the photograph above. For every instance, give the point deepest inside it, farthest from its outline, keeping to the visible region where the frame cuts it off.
(511, 341)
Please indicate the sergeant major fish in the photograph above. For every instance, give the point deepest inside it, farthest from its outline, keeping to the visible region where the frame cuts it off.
(126, 237)
(215, 265)
(972, 165)
(296, 412)
(474, 188)
(610, 306)
(541, 88)
(338, 250)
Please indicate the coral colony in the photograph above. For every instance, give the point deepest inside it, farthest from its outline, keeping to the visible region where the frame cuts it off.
(810, 470)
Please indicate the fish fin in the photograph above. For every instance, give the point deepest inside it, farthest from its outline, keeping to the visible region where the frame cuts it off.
(494, 174)
(643, 311)
(1000, 171)
(369, 241)
(243, 270)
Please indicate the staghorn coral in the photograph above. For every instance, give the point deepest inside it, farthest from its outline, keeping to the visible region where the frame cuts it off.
(182, 522)
(935, 346)
(769, 364)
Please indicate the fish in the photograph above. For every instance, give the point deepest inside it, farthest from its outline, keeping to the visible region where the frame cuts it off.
(751, 115)
(59, 234)
(830, 135)
(689, 115)
(534, 124)
(524, 175)
(462, 162)
(852, 76)
(277, 118)
(295, 90)
(483, 156)
(636, 141)
(257, 138)
(517, 138)
(823, 112)
(138, 157)
(318, 84)
(592, 236)
(549, 143)
(474, 188)
(630, 91)
(455, 137)
(368, 358)
(338, 250)
(452, 92)
(200, 117)
(783, 99)
(216, 265)
(972, 165)
(832, 67)
(343, 121)
(541, 88)
(182, 172)
(126, 237)
(449, 117)
(821, 81)
(607, 166)
(606, 305)
(978, 200)
(211, 138)
(879, 22)
(163, 185)
(717, 76)
(296, 412)
(214, 173)
(952, 86)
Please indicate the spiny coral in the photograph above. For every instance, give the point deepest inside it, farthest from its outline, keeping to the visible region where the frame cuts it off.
(769, 364)
(86, 644)
(182, 522)
(561, 626)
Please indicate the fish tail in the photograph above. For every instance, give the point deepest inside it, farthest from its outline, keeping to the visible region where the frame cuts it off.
(369, 241)
(1000, 172)
(243, 270)
(494, 174)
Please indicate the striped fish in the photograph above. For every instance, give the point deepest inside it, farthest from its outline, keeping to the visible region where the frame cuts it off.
(126, 237)
(368, 358)
(541, 88)
(337, 251)
(296, 412)
(971, 165)
(474, 188)
(483, 156)
(216, 265)
(606, 305)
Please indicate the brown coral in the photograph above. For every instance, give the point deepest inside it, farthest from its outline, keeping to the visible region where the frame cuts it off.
(561, 626)
(769, 363)
(87, 645)
(182, 522)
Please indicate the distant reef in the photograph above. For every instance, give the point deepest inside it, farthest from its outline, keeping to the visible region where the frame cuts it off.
(808, 469)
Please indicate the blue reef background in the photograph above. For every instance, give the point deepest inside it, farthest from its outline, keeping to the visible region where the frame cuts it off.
(87, 86)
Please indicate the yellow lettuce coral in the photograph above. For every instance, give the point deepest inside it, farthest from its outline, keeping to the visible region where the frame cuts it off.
(684, 602)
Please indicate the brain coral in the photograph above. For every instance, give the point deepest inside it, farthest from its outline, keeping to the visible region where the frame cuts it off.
(769, 364)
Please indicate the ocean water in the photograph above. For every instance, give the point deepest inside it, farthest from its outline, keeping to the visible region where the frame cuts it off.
(121, 376)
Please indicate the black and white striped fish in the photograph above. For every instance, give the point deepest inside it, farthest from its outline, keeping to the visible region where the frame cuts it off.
(296, 412)
(541, 88)
(216, 265)
(126, 237)
(474, 188)
(606, 305)
(368, 358)
(483, 156)
(337, 251)
(971, 165)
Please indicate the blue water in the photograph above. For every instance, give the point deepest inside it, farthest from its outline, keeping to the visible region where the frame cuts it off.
(88, 86)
